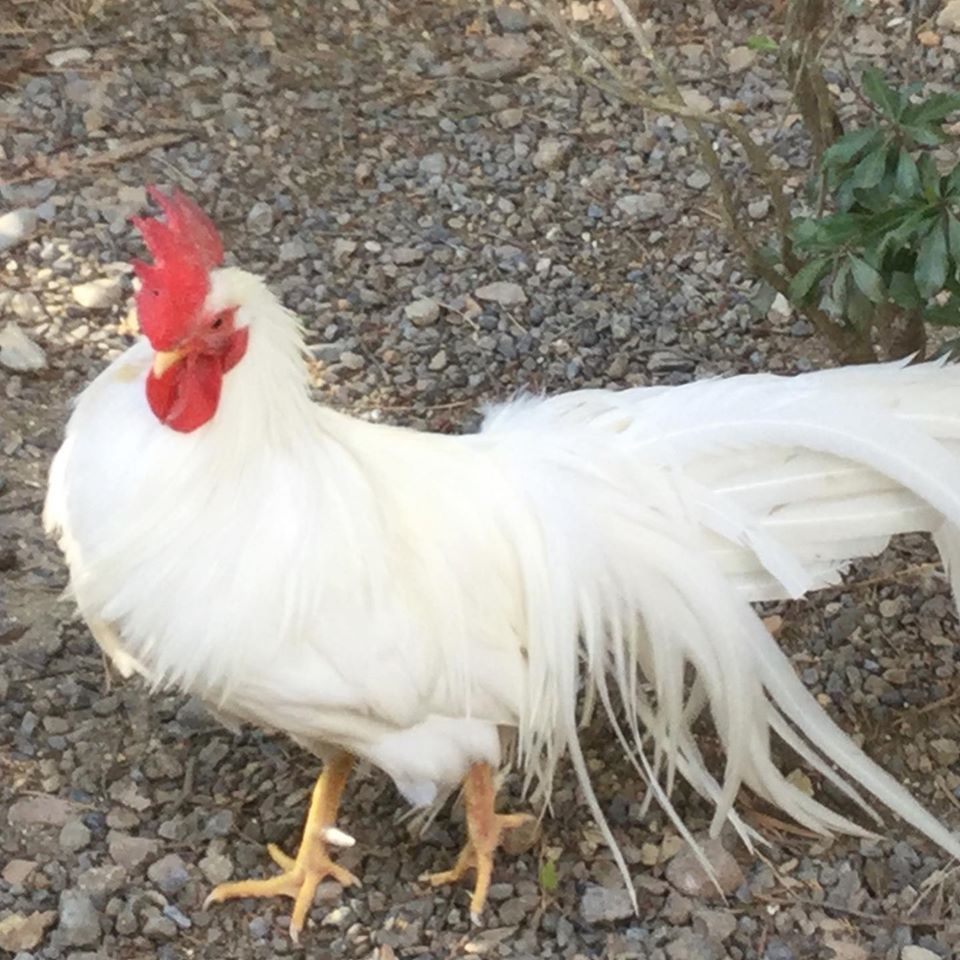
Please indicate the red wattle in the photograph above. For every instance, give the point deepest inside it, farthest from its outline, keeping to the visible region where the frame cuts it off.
(185, 396)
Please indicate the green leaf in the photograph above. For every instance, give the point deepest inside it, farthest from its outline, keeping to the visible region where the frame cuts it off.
(839, 287)
(803, 230)
(930, 272)
(868, 281)
(952, 186)
(925, 136)
(903, 291)
(870, 169)
(762, 43)
(849, 146)
(908, 175)
(935, 109)
(929, 176)
(953, 237)
(762, 300)
(769, 254)
(548, 876)
(806, 279)
(859, 310)
(884, 96)
(878, 225)
(876, 200)
(943, 314)
(840, 228)
(910, 230)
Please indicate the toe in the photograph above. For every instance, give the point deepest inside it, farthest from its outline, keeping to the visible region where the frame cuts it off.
(438, 879)
(280, 858)
(302, 905)
(343, 876)
(510, 821)
(285, 885)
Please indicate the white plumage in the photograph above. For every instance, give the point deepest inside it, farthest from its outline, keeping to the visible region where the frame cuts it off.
(403, 595)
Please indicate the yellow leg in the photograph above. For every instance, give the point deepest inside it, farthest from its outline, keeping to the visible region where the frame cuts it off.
(303, 873)
(485, 829)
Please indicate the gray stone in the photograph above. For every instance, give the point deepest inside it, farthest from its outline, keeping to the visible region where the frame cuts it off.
(129, 852)
(407, 255)
(741, 58)
(74, 835)
(492, 70)
(949, 17)
(550, 154)
(676, 909)
(758, 209)
(40, 808)
(216, 867)
(100, 294)
(169, 873)
(101, 882)
(691, 945)
(945, 750)
(504, 292)
(25, 931)
(27, 194)
(23, 304)
(687, 873)
(696, 100)
(18, 352)
(126, 922)
(79, 919)
(260, 219)
(16, 226)
(294, 249)
(352, 361)
(433, 165)
(510, 118)
(422, 313)
(174, 913)
(642, 206)
(666, 361)
(73, 55)
(602, 905)
(160, 928)
(343, 248)
(889, 608)
(718, 924)
(514, 911)
(512, 19)
(698, 180)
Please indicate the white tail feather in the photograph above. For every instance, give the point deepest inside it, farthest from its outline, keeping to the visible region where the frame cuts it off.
(717, 493)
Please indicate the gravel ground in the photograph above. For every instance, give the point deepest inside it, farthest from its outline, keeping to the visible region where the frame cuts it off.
(453, 217)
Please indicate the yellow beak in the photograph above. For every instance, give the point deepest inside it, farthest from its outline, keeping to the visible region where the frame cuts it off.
(163, 360)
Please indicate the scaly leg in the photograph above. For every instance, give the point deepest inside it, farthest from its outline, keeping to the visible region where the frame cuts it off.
(302, 874)
(485, 829)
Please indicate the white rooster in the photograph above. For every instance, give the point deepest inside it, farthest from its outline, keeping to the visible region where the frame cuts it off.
(408, 598)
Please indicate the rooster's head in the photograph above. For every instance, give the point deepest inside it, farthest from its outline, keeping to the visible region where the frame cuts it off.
(196, 335)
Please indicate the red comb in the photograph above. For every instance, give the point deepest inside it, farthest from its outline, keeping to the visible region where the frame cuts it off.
(185, 248)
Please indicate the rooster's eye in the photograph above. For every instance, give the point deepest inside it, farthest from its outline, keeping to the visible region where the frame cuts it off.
(217, 323)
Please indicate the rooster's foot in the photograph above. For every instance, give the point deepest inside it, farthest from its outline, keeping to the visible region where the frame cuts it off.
(303, 874)
(485, 830)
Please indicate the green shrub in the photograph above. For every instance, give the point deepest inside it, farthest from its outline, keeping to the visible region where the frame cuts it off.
(884, 260)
